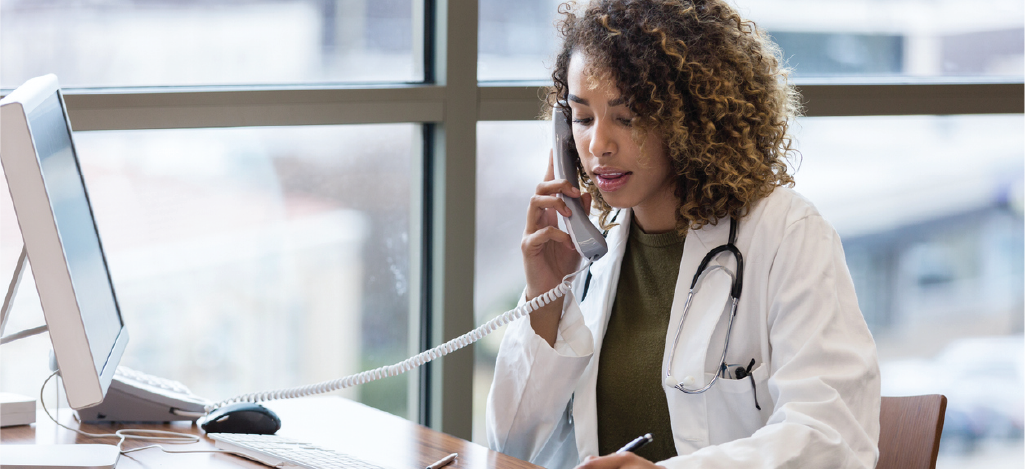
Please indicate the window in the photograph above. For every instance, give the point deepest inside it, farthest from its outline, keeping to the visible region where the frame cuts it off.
(846, 38)
(858, 38)
(511, 160)
(517, 40)
(168, 43)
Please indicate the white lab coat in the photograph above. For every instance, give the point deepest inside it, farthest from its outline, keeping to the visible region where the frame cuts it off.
(816, 371)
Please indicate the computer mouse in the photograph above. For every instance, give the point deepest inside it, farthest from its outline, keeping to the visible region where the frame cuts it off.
(243, 417)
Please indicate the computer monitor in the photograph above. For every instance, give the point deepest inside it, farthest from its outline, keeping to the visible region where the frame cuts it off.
(63, 245)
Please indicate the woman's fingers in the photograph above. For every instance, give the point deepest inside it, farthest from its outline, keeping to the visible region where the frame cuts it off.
(534, 242)
(544, 199)
(557, 186)
(539, 206)
(616, 461)
(542, 224)
(550, 172)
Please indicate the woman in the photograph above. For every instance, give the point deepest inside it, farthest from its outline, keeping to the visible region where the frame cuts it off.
(679, 113)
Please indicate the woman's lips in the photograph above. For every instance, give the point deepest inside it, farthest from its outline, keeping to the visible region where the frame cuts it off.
(609, 182)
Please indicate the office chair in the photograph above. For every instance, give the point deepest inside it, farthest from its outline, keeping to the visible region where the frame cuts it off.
(909, 431)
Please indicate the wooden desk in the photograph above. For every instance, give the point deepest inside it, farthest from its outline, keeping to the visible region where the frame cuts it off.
(330, 422)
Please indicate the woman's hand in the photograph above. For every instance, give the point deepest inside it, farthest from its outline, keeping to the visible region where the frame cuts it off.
(618, 460)
(548, 252)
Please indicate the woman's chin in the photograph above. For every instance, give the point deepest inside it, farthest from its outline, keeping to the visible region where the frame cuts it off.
(616, 200)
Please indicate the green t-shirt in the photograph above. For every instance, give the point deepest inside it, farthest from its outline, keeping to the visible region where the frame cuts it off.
(629, 392)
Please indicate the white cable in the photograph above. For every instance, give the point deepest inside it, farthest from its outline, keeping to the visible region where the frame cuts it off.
(415, 361)
(123, 434)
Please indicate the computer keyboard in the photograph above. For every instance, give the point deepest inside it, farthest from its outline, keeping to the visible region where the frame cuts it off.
(278, 451)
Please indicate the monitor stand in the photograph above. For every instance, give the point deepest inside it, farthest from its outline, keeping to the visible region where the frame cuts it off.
(47, 456)
(19, 269)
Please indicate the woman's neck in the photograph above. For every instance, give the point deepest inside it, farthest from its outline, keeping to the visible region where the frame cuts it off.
(657, 215)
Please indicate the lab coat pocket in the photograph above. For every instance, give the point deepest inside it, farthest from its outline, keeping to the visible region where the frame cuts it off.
(732, 413)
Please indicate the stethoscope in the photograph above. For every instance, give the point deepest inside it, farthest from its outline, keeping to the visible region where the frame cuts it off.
(736, 282)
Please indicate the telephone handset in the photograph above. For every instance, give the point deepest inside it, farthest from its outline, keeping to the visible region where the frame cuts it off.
(586, 237)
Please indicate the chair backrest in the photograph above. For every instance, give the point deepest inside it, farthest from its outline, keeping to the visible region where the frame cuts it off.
(909, 431)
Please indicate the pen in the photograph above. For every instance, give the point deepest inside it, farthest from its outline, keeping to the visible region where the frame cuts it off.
(636, 444)
(444, 461)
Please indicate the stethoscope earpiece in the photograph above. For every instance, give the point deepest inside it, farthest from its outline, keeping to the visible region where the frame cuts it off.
(671, 382)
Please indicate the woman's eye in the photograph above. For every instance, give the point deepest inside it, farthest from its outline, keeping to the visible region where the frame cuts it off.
(626, 121)
(582, 120)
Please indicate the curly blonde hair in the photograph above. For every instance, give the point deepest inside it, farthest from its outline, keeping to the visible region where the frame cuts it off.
(712, 84)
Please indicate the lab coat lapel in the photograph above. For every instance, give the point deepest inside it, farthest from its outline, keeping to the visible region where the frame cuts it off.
(597, 308)
(689, 417)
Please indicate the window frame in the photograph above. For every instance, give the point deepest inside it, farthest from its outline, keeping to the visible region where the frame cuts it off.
(449, 104)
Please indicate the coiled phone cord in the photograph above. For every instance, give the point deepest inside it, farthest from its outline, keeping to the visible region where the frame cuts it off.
(410, 363)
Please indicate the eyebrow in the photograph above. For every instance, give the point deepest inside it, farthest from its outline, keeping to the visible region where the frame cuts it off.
(615, 102)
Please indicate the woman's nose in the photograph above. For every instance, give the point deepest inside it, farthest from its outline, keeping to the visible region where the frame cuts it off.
(602, 141)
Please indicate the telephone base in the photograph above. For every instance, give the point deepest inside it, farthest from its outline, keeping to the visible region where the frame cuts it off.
(137, 397)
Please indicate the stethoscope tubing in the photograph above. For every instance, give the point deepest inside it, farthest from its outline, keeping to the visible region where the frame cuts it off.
(726, 343)
(734, 298)
(738, 281)
(722, 359)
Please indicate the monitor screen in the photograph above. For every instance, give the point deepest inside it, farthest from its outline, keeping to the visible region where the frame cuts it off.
(72, 214)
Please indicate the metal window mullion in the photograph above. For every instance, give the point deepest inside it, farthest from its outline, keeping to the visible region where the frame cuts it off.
(426, 217)
(259, 107)
(453, 229)
(131, 110)
(822, 100)
(509, 102)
